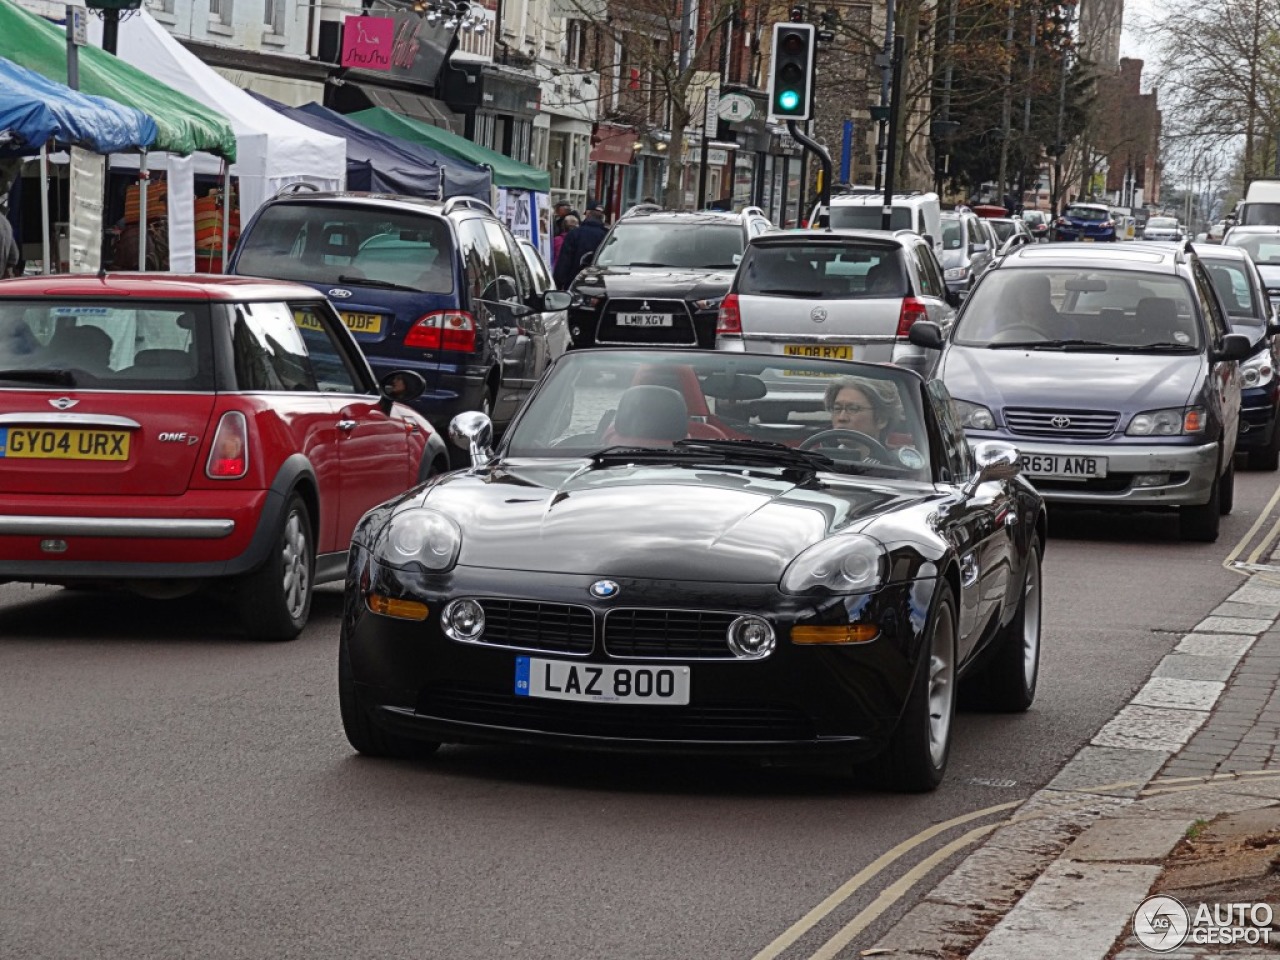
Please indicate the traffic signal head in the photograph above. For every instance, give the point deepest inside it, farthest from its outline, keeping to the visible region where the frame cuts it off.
(791, 71)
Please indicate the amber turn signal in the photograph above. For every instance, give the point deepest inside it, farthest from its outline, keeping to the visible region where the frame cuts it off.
(400, 609)
(839, 633)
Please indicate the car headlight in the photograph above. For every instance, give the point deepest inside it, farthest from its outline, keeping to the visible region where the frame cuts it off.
(853, 563)
(711, 303)
(589, 299)
(1171, 422)
(955, 273)
(1257, 371)
(974, 416)
(425, 537)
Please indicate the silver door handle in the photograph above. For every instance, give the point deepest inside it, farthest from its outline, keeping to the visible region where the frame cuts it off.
(346, 426)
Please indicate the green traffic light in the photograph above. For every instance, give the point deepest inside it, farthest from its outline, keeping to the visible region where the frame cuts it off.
(788, 100)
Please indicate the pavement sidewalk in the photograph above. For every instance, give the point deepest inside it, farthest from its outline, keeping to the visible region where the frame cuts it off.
(1178, 795)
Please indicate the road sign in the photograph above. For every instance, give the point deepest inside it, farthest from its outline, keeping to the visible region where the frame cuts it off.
(713, 105)
(736, 107)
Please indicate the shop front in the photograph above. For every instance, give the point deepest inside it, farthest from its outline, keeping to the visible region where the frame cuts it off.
(569, 100)
(498, 105)
(613, 148)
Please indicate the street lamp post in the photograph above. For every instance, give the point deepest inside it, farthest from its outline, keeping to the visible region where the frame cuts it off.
(110, 11)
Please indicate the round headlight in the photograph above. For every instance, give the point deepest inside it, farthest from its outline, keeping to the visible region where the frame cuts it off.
(1250, 376)
(751, 638)
(462, 620)
(421, 536)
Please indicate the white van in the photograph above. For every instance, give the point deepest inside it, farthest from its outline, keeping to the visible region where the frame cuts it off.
(920, 212)
(1261, 204)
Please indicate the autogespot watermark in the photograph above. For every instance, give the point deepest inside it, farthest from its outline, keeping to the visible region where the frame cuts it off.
(1162, 923)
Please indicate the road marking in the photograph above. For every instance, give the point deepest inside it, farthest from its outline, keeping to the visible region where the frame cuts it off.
(1265, 541)
(852, 885)
(1239, 548)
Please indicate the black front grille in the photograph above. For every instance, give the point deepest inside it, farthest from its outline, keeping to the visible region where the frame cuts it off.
(1065, 424)
(680, 332)
(679, 634)
(715, 722)
(530, 625)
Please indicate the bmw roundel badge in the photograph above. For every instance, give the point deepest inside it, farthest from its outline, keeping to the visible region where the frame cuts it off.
(604, 589)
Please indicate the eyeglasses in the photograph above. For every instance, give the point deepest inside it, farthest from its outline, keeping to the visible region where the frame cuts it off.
(851, 408)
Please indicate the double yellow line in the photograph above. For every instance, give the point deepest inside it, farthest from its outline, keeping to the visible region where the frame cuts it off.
(1270, 538)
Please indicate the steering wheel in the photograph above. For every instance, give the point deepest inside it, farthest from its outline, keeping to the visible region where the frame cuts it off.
(1024, 328)
(875, 449)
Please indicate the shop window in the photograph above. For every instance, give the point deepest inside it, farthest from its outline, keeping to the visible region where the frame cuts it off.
(273, 16)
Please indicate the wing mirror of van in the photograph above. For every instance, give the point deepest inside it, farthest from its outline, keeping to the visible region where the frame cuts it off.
(977, 248)
(1235, 346)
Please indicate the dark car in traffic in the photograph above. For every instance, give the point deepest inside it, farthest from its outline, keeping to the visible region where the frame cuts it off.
(665, 553)
(1088, 222)
(1116, 372)
(659, 277)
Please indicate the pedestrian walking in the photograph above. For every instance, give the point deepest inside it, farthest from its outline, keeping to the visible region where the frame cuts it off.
(562, 209)
(570, 221)
(583, 239)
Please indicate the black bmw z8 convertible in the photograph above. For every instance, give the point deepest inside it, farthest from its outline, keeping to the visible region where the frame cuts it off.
(687, 551)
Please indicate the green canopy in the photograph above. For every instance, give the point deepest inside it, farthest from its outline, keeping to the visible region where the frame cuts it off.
(184, 125)
(506, 172)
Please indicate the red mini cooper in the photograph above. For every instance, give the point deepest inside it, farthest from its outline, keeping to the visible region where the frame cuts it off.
(165, 433)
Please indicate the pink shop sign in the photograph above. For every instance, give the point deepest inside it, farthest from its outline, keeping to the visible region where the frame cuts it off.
(366, 42)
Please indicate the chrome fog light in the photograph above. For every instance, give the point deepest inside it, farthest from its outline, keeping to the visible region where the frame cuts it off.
(751, 638)
(462, 620)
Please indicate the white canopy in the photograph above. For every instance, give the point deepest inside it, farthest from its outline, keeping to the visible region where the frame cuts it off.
(272, 151)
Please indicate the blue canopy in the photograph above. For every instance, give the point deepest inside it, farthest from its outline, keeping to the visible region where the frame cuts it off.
(386, 164)
(35, 110)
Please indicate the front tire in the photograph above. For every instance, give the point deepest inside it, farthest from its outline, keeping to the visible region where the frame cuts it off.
(275, 600)
(1007, 683)
(1202, 523)
(916, 758)
(362, 733)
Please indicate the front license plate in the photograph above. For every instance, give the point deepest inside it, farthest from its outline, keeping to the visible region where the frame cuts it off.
(601, 682)
(822, 351)
(646, 320)
(1061, 467)
(363, 322)
(45, 443)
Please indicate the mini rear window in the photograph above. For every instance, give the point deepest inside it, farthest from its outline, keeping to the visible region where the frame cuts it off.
(825, 270)
(132, 345)
(346, 243)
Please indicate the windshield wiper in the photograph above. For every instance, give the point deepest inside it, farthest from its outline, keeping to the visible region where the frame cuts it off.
(735, 452)
(60, 377)
(381, 284)
(1163, 345)
(1068, 344)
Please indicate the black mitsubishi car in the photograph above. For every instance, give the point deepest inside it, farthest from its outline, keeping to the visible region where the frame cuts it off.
(659, 276)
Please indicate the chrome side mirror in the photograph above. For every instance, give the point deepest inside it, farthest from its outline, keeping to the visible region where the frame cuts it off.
(473, 432)
(996, 460)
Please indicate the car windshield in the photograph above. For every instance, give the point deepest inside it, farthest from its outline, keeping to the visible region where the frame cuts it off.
(1262, 247)
(869, 217)
(1091, 214)
(759, 410)
(1004, 228)
(1162, 223)
(344, 243)
(837, 271)
(1080, 308)
(696, 246)
(1033, 216)
(133, 345)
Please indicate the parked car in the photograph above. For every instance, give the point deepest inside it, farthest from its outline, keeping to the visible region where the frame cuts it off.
(1037, 222)
(659, 277)
(166, 434)
(1085, 221)
(966, 250)
(840, 294)
(920, 212)
(1162, 228)
(1116, 373)
(1244, 296)
(772, 588)
(442, 289)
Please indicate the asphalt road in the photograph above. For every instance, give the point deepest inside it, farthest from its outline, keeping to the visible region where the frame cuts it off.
(168, 790)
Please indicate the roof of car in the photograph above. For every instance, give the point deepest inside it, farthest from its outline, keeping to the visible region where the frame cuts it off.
(1255, 229)
(1216, 251)
(830, 235)
(1150, 257)
(683, 216)
(158, 286)
(864, 199)
(1090, 206)
(352, 196)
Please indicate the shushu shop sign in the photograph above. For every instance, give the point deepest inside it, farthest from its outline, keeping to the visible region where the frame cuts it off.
(367, 42)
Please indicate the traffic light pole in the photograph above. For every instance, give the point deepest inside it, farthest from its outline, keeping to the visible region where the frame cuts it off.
(891, 159)
(824, 158)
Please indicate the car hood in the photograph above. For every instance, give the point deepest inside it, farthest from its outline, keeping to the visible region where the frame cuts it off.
(1126, 382)
(651, 521)
(657, 282)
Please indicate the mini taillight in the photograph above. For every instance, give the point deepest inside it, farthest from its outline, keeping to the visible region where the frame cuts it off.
(443, 330)
(912, 310)
(729, 323)
(229, 454)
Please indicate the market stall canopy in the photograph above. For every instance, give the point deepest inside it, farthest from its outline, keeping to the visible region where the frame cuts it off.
(271, 151)
(183, 126)
(507, 172)
(388, 165)
(35, 110)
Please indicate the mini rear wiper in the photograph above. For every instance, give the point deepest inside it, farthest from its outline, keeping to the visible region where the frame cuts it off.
(61, 377)
(381, 284)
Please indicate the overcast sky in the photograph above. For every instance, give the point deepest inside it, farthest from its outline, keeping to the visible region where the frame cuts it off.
(1137, 15)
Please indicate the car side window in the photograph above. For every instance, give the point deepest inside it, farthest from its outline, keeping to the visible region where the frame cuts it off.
(329, 362)
(524, 277)
(1210, 306)
(958, 462)
(268, 349)
(541, 279)
(503, 258)
(477, 256)
(930, 280)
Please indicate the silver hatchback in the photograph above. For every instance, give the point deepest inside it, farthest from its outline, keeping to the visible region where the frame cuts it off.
(839, 294)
